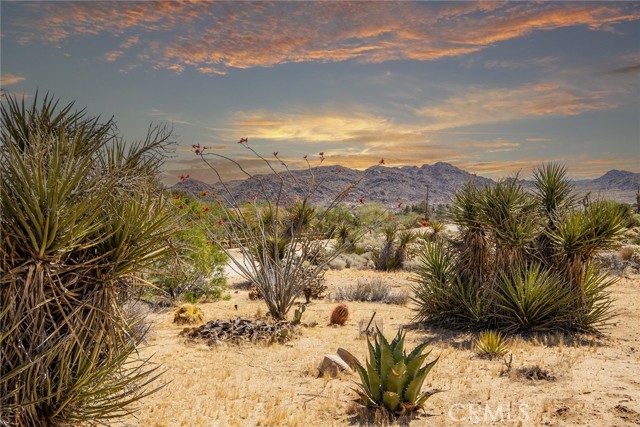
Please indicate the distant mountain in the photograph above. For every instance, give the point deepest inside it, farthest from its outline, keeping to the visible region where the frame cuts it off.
(409, 184)
(615, 185)
(614, 180)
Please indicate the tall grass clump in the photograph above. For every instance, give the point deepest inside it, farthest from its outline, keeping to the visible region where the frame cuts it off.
(82, 218)
(522, 261)
(375, 290)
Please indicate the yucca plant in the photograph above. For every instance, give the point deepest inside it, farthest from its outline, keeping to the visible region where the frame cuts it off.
(441, 296)
(82, 219)
(531, 298)
(596, 311)
(474, 262)
(510, 215)
(521, 261)
(490, 344)
(391, 378)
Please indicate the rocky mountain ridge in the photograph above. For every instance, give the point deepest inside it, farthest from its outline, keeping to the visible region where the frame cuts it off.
(409, 184)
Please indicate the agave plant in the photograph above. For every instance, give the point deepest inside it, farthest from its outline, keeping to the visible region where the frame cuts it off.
(393, 379)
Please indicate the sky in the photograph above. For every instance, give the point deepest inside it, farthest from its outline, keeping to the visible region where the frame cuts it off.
(491, 87)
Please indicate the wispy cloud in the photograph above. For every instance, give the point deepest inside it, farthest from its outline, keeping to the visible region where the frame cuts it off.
(493, 105)
(495, 146)
(10, 79)
(542, 62)
(629, 69)
(214, 37)
(538, 139)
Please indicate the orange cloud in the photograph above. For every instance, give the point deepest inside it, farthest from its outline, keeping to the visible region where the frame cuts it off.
(494, 105)
(113, 55)
(214, 37)
(362, 132)
(10, 79)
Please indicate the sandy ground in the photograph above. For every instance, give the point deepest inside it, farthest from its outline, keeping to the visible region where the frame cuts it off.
(597, 380)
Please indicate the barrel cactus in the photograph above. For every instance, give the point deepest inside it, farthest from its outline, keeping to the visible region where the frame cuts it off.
(188, 314)
(392, 379)
(339, 315)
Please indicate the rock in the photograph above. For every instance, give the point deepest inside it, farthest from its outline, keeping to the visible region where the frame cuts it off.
(349, 358)
(333, 364)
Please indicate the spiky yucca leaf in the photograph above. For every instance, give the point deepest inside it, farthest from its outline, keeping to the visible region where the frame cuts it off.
(490, 344)
(597, 310)
(81, 221)
(530, 298)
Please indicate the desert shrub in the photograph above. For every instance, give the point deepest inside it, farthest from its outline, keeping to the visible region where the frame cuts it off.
(314, 287)
(376, 290)
(626, 253)
(274, 227)
(523, 262)
(392, 379)
(188, 314)
(195, 269)
(83, 218)
(490, 344)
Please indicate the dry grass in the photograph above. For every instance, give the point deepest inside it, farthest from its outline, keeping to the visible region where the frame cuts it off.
(277, 385)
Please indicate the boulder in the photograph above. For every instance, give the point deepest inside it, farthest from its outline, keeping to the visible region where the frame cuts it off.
(333, 364)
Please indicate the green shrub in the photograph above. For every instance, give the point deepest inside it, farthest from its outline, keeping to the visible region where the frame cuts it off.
(82, 220)
(195, 269)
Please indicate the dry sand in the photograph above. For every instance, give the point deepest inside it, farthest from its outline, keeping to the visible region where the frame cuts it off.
(597, 380)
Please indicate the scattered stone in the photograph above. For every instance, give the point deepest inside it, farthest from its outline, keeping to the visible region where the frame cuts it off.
(333, 364)
(238, 330)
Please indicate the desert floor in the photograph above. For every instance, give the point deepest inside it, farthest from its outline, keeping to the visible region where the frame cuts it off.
(597, 379)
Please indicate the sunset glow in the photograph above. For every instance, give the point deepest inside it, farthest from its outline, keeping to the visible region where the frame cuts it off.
(490, 87)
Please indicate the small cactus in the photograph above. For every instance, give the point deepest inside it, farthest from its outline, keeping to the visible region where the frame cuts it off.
(188, 314)
(297, 316)
(339, 315)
